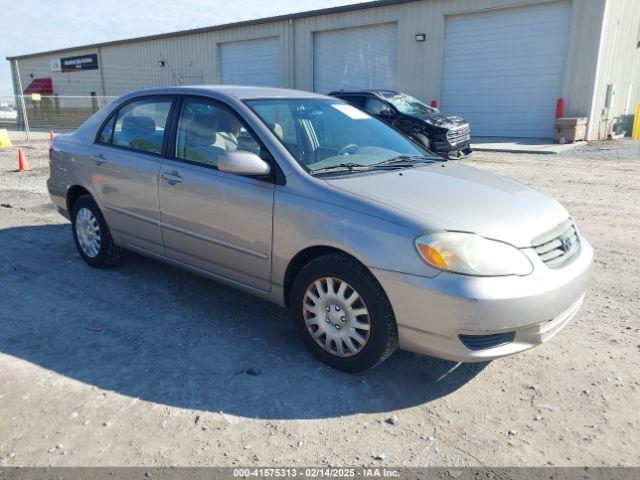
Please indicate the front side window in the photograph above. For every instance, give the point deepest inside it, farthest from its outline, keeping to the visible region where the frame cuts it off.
(375, 106)
(323, 133)
(408, 105)
(207, 129)
(140, 125)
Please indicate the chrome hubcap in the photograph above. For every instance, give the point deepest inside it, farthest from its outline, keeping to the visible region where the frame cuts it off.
(336, 316)
(88, 232)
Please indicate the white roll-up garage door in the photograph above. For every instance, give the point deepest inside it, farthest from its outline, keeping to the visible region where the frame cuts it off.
(252, 62)
(355, 58)
(503, 69)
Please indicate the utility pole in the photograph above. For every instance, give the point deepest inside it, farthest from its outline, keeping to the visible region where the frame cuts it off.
(21, 96)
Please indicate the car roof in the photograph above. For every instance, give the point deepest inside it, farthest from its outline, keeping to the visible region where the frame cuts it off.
(240, 92)
(231, 94)
(363, 92)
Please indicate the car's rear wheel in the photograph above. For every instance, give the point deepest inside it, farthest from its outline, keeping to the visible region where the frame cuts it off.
(92, 236)
(343, 314)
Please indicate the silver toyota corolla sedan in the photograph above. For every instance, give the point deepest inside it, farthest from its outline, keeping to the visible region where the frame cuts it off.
(372, 242)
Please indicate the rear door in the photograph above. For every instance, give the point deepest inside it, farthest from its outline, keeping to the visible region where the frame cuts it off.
(217, 222)
(127, 157)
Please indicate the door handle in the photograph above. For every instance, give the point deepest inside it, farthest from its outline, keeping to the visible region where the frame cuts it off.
(172, 177)
(99, 159)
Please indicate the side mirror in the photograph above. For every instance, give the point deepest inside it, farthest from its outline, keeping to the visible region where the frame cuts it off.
(242, 162)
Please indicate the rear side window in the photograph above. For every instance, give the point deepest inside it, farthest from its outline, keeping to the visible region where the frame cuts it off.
(357, 100)
(107, 131)
(140, 125)
(375, 106)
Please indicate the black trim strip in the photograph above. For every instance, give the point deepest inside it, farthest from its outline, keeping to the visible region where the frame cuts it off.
(189, 233)
(215, 241)
(137, 216)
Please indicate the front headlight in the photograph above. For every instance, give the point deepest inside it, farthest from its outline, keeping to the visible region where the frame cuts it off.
(471, 254)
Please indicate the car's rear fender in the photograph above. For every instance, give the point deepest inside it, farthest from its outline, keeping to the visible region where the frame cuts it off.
(69, 170)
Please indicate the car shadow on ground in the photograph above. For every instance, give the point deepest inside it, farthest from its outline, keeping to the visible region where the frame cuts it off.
(148, 330)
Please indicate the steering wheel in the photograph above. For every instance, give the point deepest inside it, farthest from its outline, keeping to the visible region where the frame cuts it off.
(348, 149)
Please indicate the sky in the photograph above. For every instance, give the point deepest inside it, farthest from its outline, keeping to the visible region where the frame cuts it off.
(30, 26)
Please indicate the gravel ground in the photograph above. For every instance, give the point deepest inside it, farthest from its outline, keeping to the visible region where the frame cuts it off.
(148, 365)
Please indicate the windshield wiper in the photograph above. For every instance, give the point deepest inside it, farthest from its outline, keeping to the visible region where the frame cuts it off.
(408, 160)
(400, 161)
(347, 167)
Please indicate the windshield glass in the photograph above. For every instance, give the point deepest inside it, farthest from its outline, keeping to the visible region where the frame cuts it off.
(408, 105)
(324, 133)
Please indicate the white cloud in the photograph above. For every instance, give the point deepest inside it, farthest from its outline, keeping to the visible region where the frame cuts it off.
(32, 26)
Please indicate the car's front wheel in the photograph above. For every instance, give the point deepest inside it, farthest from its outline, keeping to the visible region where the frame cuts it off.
(92, 236)
(343, 314)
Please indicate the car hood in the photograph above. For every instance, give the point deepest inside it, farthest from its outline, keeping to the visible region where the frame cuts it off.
(449, 196)
(443, 120)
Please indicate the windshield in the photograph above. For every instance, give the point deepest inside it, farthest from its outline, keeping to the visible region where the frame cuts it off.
(325, 133)
(408, 105)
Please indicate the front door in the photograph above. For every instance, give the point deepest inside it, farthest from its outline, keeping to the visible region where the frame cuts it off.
(127, 159)
(218, 222)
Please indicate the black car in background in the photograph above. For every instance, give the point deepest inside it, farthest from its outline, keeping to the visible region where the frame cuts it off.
(444, 134)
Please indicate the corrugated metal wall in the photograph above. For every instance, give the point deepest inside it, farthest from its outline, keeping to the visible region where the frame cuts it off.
(194, 58)
(189, 60)
(419, 63)
(619, 66)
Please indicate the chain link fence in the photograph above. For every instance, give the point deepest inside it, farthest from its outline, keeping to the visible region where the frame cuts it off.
(30, 115)
(8, 112)
(60, 101)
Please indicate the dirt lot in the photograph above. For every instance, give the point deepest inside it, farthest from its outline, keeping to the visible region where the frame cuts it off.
(146, 364)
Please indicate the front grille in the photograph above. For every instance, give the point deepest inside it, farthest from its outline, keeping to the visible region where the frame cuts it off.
(484, 342)
(559, 245)
(458, 134)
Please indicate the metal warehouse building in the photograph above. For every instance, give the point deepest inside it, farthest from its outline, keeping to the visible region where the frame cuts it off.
(503, 64)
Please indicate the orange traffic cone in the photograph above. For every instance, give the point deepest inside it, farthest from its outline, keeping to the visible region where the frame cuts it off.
(51, 135)
(22, 161)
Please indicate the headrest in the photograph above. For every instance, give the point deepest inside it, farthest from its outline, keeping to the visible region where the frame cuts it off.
(138, 125)
(277, 129)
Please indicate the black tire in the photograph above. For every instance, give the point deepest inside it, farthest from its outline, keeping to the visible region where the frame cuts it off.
(109, 253)
(383, 333)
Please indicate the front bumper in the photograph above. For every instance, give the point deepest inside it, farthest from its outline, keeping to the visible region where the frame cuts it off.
(432, 313)
(455, 140)
(441, 144)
